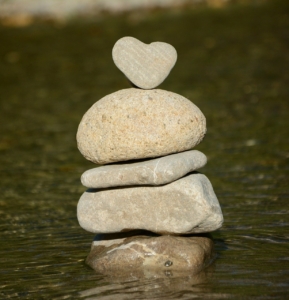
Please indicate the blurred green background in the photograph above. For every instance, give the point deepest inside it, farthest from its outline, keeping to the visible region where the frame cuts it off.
(232, 63)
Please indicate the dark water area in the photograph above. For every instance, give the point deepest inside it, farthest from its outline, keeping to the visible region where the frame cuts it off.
(233, 63)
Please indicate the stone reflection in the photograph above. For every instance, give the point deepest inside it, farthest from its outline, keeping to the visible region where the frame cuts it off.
(151, 283)
(139, 262)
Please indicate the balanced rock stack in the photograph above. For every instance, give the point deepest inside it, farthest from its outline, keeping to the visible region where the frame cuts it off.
(145, 135)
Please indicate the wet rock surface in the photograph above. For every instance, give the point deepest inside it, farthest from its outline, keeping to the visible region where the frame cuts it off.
(162, 253)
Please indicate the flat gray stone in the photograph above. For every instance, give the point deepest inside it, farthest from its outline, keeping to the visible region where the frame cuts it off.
(150, 172)
(146, 66)
(163, 253)
(137, 124)
(188, 205)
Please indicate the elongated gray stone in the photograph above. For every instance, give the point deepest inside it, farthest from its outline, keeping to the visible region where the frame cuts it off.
(137, 124)
(146, 66)
(188, 205)
(162, 253)
(150, 172)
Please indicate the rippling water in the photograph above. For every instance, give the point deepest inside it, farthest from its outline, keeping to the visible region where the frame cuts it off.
(233, 63)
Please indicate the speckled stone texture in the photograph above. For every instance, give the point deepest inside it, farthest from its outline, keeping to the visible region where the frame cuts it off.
(146, 66)
(136, 124)
(150, 172)
(188, 205)
(164, 253)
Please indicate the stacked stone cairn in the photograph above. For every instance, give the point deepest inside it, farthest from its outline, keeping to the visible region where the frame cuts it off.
(147, 204)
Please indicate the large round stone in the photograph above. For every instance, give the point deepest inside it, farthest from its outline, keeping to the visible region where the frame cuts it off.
(134, 124)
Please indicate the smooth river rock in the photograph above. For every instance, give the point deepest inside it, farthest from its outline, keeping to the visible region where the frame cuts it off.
(137, 124)
(146, 66)
(157, 171)
(188, 205)
(163, 253)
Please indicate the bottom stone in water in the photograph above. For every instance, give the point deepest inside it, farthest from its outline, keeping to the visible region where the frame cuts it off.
(147, 253)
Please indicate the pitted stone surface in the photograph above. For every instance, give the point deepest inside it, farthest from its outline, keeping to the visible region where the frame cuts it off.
(150, 172)
(164, 253)
(137, 124)
(188, 205)
(146, 66)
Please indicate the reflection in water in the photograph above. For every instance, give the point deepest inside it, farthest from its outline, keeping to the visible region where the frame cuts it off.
(151, 285)
(150, 281)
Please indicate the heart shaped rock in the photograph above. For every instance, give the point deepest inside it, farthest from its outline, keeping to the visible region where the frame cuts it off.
(146, 66)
